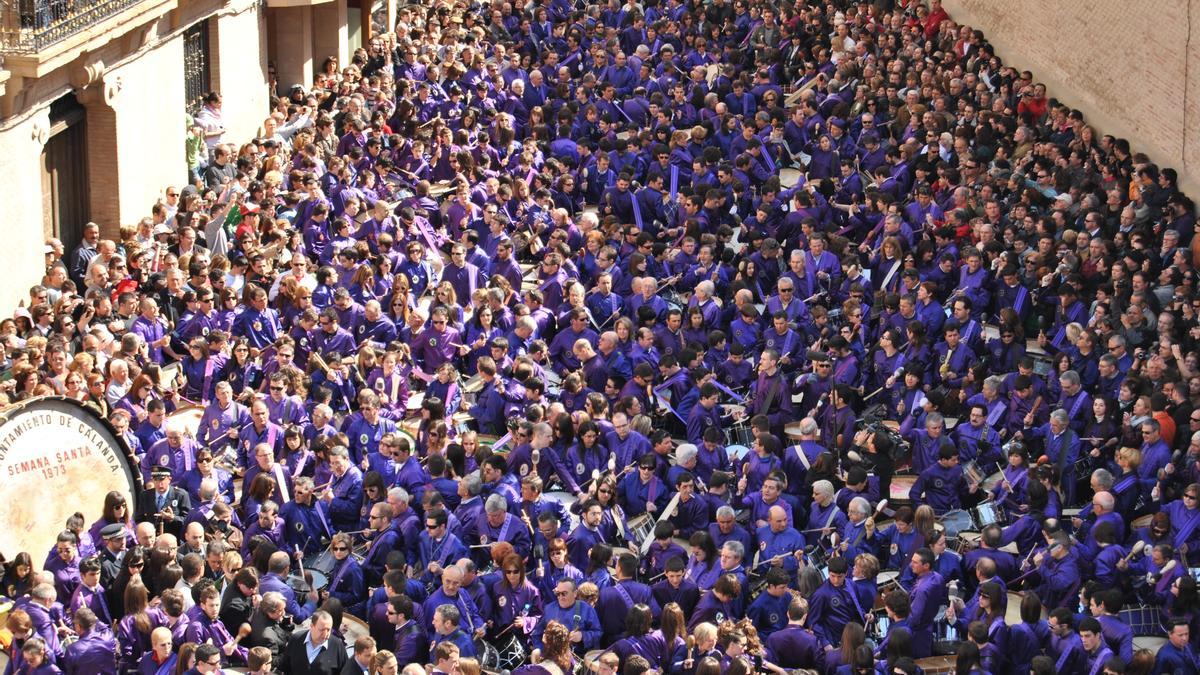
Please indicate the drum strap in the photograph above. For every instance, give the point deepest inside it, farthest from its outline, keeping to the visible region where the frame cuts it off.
(504, 529)
(209, 366)
(1185, 532)
(319, 508)
(281, 483)
(854, 597)
(1062, 658)
(345, 567)
(624, 595)
(803, 458)
(997, 411)
(833, 511)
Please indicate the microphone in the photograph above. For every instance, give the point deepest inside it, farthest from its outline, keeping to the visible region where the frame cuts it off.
(853, 456)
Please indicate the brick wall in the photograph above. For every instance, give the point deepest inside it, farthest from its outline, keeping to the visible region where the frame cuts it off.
(1122, 64)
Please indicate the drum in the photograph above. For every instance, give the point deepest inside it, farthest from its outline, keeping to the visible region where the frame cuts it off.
(877, 629)
(322, 562)
(900, 487)
(639, 528)
(739, 435)
(1012, 612)
(410, 436)
(945, 638)
(986, 514)
(512, 652)
(972, 473)
(968, 541)
(52, 449)
(460, 421)
(567, 499)
(792, 431)
(300, 585)
(1147, 642)
(933, 665)
(737, 453)
(1144, 621)
(489, 657)
(415, 401)
(353, 628)
(185, 419)
(992, 481)
(589, 663)
(886, 581)
(411, 427)
(1141, 521)
(956, 521)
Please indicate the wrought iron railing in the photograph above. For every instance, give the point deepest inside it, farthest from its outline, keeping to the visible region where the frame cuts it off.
(29, 26)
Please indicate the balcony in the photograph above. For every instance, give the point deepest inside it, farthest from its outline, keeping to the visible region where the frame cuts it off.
(30, 26)
(37, 36)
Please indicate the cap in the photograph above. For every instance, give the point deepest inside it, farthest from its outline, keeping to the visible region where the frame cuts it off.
(160, 472)
(113, 531)
(48, 249)
(161, 228)
(249, 208)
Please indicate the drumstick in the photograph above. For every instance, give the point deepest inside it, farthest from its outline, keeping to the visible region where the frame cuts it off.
(1136, 550)
(243, 631)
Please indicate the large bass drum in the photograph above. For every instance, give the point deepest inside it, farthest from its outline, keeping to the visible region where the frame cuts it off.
(57, 457)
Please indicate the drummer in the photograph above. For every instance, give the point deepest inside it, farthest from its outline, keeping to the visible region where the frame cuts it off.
(942, 485)
(221, 419)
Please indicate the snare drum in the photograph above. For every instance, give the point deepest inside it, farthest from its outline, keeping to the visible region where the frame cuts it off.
(968, 541)
(878, 628)
(511, 651)
(1144, 621)
(972, 473)
(986, 514)
(638, 528)
(739, 435)
(956, 521)
(488, 656)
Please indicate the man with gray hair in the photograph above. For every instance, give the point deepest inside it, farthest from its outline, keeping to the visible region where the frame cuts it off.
(470, 505)
(1060, 444)
(451, 593)
(496, 525)
(343, 499)
(266, 629)
(447, 627)
(305, 526)
(726, 529)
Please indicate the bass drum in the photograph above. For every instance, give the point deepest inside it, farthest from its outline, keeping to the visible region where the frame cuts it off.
(52, 451)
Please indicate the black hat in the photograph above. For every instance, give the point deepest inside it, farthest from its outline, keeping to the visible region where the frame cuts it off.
(113, 531)
(160, 472)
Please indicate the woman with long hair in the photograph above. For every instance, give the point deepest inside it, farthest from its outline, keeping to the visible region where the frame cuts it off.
(702, 566)
(515, 596)
(853, 637)
(555, 655)
(556, 568)
(672, 631)
(115, 511)
(597, 569)
(18, 576)
(133, 631)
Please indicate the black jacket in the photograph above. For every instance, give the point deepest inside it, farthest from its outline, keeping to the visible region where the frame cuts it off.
(330, 661)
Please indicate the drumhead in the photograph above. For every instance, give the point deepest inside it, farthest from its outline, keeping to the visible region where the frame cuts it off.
(737, 452)
(52, 448)
(185, 419)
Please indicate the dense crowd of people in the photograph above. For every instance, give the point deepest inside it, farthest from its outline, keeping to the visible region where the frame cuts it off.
(682, 337)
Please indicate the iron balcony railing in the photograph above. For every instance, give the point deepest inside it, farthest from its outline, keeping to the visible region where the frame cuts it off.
(29, 26)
